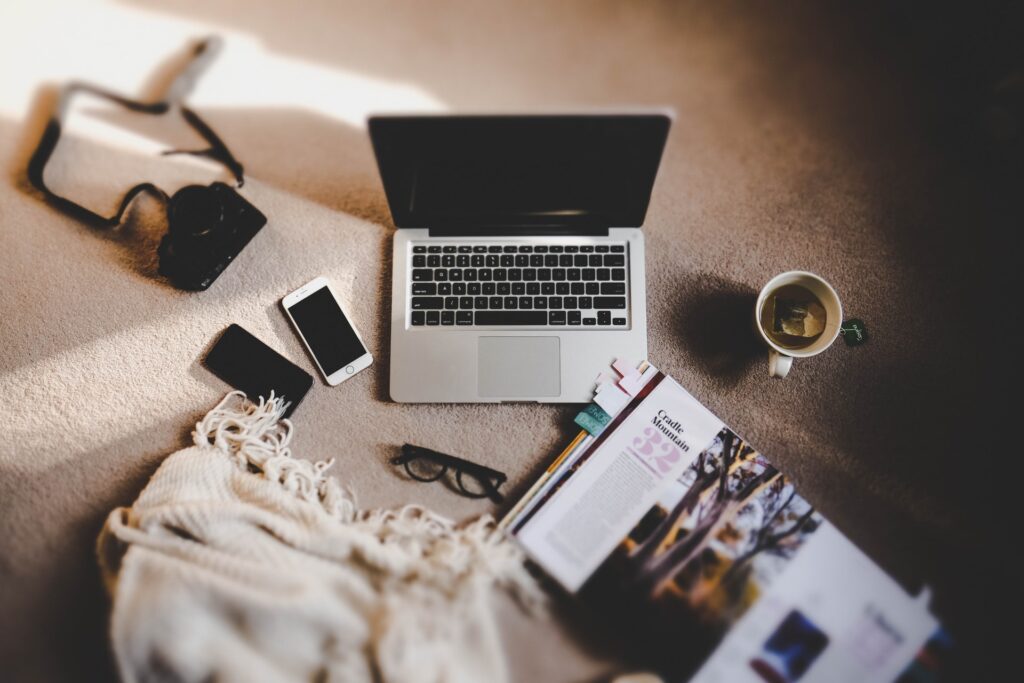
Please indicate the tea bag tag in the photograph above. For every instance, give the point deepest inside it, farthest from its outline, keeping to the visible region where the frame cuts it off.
(854, 332)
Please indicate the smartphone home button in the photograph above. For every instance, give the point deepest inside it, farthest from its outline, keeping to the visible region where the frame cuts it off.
(350, 369)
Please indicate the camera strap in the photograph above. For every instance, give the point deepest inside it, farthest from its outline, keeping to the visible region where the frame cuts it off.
(216, 151)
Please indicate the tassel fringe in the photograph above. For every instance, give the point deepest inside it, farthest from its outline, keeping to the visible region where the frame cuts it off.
(257, 438)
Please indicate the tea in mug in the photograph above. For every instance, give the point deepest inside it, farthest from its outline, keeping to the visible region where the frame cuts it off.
(793, 316)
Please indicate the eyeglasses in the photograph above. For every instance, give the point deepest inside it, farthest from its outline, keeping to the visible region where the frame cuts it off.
(474, 481)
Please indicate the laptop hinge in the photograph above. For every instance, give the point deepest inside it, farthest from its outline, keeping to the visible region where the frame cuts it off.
(520, 231)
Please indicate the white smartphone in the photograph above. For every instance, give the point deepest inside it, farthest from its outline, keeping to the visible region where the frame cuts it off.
(332, 341)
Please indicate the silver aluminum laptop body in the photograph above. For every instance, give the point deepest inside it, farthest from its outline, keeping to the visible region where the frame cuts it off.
(457, 355)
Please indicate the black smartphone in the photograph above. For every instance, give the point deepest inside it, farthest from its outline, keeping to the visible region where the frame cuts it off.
(246, 363)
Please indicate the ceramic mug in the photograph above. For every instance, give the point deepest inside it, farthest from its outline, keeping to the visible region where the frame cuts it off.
(780, 358)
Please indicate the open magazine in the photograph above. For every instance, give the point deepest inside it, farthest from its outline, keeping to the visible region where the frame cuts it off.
(706, 552)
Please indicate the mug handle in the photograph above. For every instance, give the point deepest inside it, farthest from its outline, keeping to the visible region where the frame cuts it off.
(778, 364)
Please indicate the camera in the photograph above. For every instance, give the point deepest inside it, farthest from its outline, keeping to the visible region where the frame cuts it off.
(207, 227)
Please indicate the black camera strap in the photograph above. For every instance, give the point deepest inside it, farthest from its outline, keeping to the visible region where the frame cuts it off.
(217, 150)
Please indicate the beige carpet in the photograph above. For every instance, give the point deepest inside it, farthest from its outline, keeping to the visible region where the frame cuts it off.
(805, 138)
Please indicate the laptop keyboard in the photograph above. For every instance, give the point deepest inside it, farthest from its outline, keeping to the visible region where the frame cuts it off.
(519, 285)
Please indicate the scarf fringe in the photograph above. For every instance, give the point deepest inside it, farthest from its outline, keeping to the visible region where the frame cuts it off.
(257, 438)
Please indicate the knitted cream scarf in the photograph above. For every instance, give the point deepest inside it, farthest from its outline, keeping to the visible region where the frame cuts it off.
(239, 562)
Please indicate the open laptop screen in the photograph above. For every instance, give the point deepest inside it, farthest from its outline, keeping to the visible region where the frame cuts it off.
(558, 171)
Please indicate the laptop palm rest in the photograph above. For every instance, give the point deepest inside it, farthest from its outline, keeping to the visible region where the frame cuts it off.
(518, 367)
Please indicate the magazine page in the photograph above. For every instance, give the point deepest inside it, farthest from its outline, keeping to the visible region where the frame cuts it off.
(610, 402)
(832, 616)
(647, 447)
(730, 556)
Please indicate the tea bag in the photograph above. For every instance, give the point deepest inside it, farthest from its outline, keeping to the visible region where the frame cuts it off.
(798, 317)
(854, 332)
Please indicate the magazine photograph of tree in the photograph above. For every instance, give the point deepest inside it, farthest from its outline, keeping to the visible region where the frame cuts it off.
(709, 548)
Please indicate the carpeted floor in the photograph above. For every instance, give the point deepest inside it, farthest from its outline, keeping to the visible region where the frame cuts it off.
(835, 140)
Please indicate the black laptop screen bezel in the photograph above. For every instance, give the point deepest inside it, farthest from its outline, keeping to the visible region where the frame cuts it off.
(398, 141)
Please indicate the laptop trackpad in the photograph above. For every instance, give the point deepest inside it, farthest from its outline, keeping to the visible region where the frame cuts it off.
(518, 367)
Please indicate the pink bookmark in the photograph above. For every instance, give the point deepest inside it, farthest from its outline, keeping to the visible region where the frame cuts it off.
(624, 367)
(611, 399)
(632, 384)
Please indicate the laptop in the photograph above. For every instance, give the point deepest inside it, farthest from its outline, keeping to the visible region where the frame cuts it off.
(518, 268)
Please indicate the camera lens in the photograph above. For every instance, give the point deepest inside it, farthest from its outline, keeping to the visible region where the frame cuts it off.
(207, 227)
(196, 212)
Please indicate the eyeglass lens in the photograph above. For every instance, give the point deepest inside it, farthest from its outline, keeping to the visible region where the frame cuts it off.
(424, 469)
(476, 486)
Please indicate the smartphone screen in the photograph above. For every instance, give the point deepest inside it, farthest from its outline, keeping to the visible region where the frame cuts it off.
(246, 363)
(327, 331)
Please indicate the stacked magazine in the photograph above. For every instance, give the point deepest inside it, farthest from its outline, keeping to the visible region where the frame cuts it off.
(703, 550)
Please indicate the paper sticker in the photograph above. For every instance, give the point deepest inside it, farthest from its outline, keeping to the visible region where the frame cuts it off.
(593, 419)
